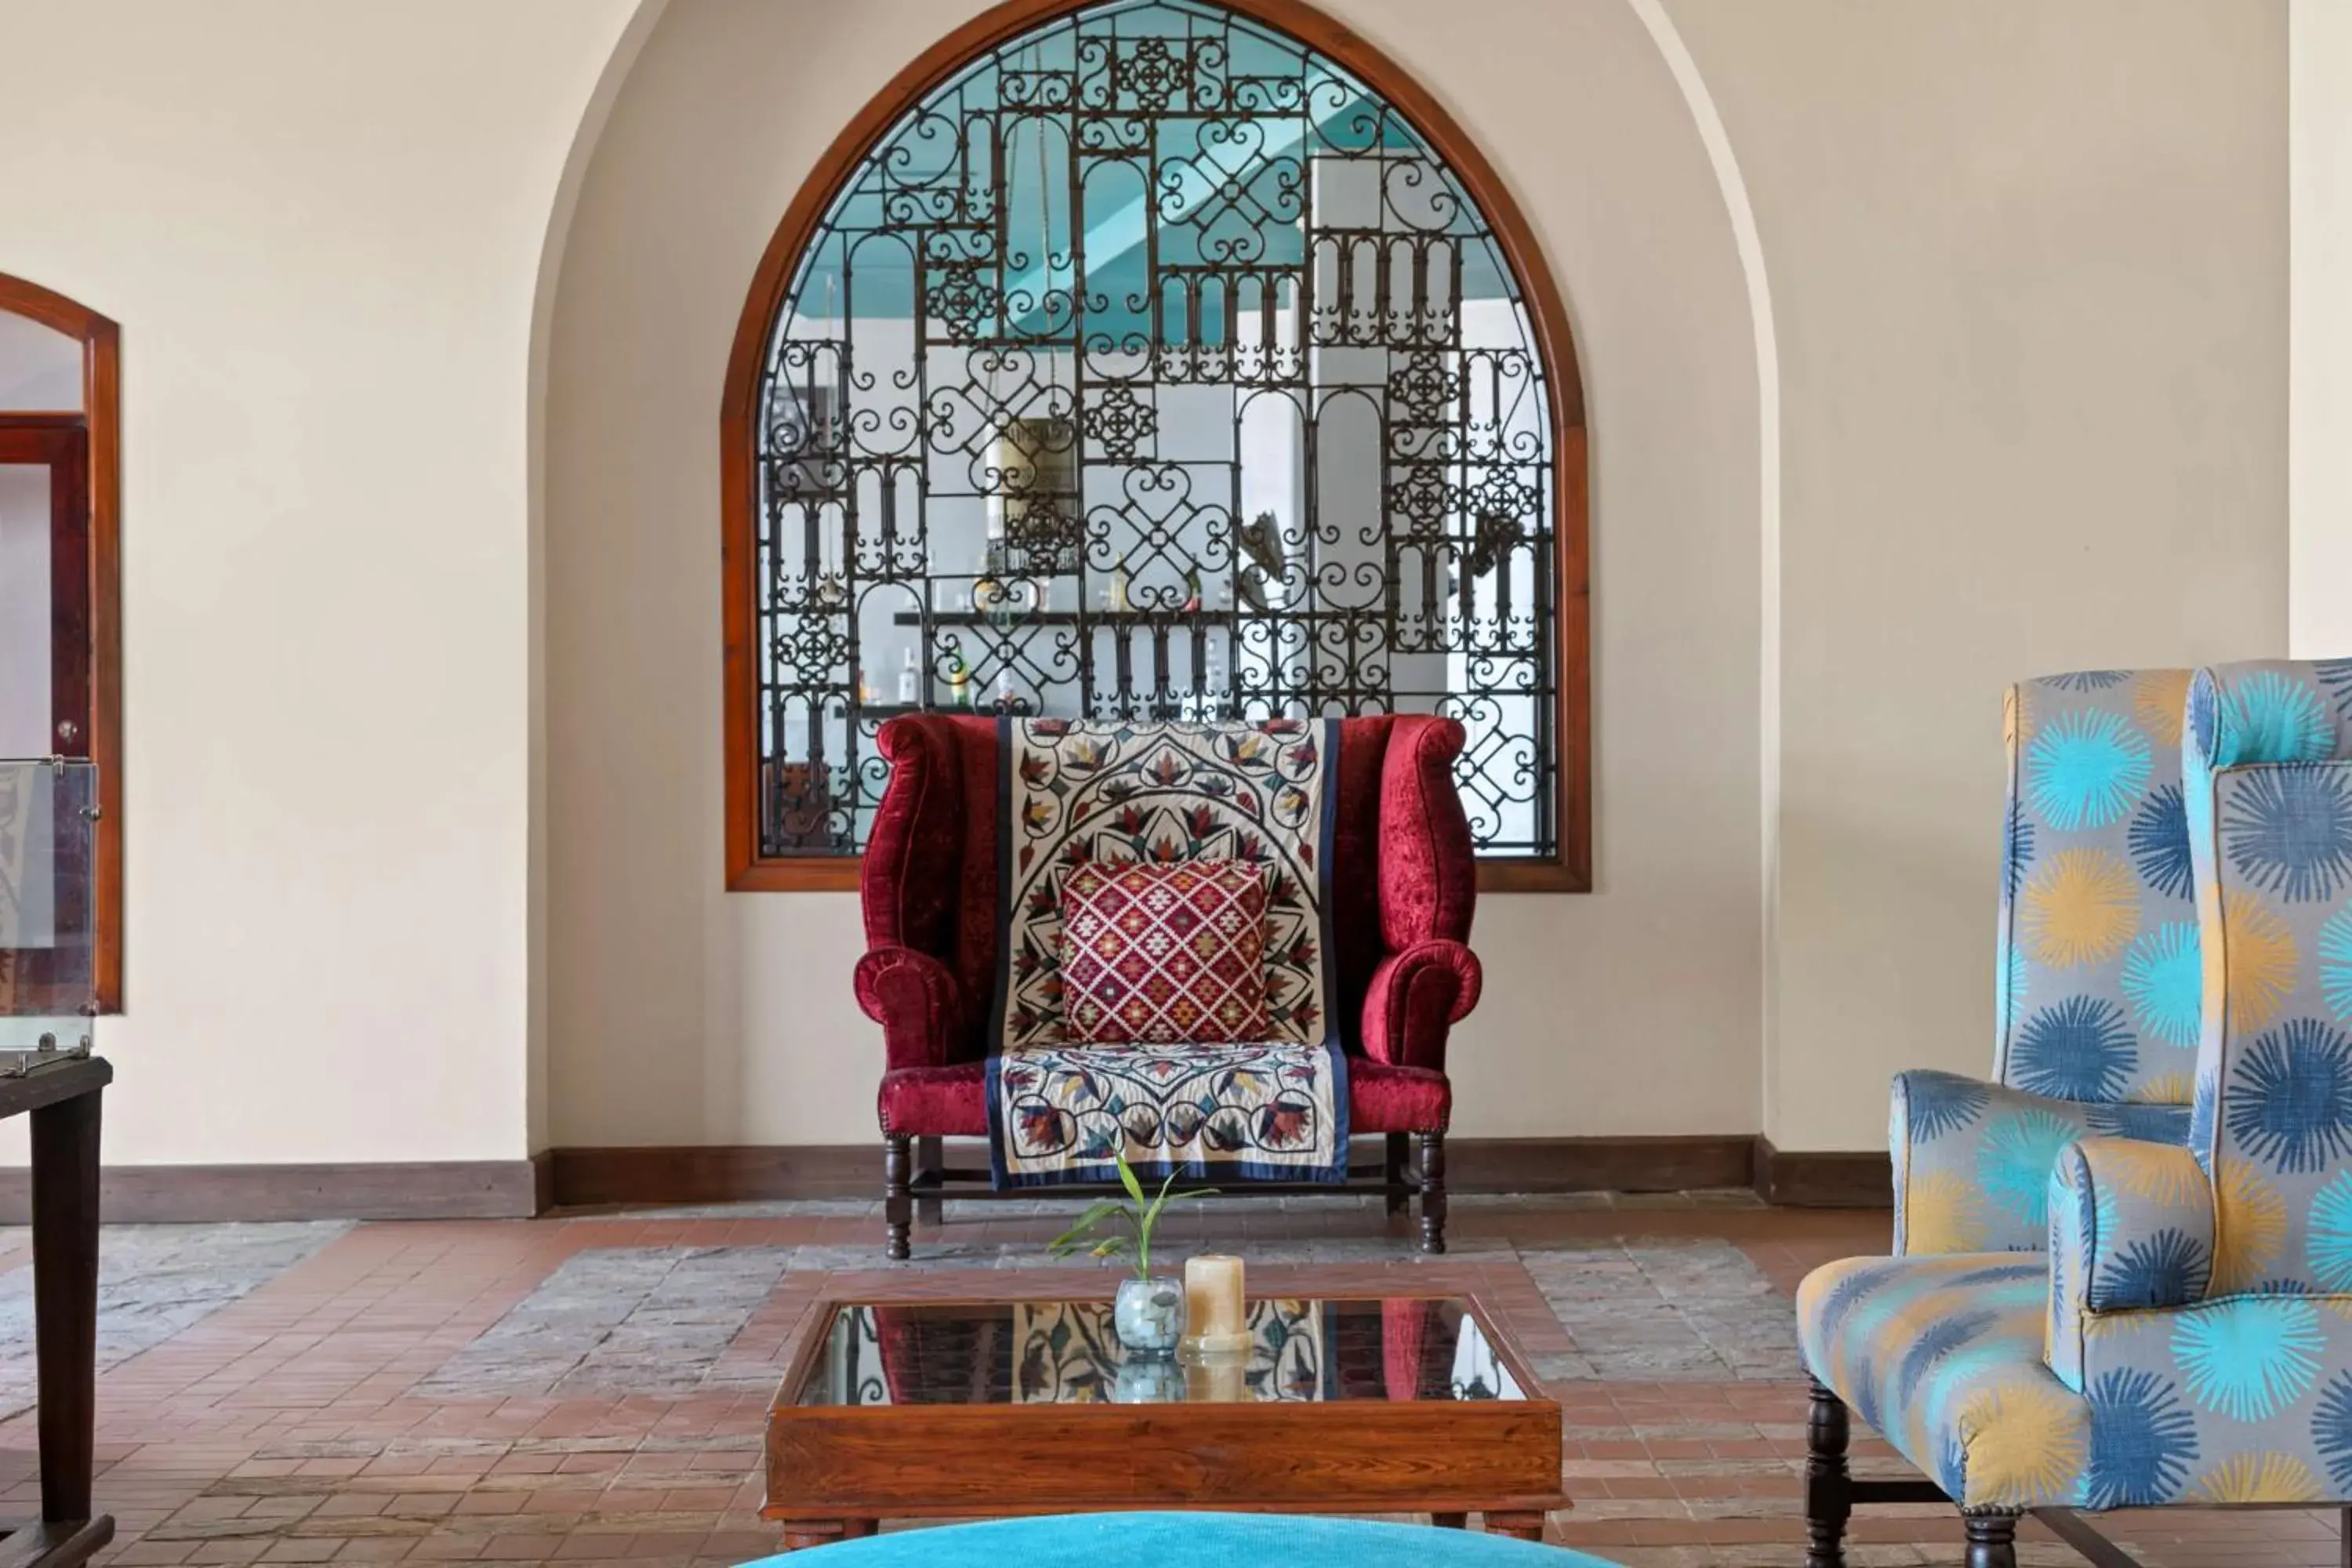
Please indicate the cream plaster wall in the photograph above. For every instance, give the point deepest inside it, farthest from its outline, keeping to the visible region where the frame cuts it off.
(2319, 446)
(681, 1013)
(2028, 273)
(320, 227)
(2028, 265)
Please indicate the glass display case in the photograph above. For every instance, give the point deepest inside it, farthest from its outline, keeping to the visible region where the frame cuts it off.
(48, 928)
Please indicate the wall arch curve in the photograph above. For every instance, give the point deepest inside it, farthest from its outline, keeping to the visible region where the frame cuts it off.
(743, 1002)
(908, 117)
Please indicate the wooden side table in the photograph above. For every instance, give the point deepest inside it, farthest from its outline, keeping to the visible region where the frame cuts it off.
(62, 1098)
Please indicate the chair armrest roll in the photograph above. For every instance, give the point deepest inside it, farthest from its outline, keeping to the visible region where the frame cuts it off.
(2131, 1230)
(916, 1000)
(1415, 996)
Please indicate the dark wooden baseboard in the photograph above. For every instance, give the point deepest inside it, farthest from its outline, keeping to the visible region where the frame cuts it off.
(748, 1173)
(1623, 1165)
(716, 1174)
(1801, 1178)
(458, 1189)
(514, 1189)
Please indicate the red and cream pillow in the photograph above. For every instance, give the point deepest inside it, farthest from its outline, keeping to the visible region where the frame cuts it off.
(1164, 954)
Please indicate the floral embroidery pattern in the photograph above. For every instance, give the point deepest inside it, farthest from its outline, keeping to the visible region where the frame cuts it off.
(1078, 795)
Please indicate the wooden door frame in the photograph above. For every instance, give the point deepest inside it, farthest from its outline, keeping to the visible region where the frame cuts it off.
(61, 445)
(101, 416)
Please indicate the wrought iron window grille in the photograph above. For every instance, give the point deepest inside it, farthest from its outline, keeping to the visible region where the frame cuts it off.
(1152, 366)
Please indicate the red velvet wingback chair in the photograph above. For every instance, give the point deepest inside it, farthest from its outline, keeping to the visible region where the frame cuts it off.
(1403, 886)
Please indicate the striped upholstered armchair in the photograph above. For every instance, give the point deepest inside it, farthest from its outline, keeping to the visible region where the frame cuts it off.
(2095, 990)
(2187, 1338)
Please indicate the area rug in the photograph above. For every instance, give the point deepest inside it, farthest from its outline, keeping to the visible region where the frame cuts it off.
(1075, 794)
(154, 1281)
(668, 1320)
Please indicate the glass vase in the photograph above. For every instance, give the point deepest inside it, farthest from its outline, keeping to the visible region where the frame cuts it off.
(1148, 1316)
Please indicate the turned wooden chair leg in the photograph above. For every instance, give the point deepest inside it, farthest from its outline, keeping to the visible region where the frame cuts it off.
(1400, 1165)
(931, 1158)
(1432, 1192)
(1829, 1487)
(898, 1203)
(1993, 1539)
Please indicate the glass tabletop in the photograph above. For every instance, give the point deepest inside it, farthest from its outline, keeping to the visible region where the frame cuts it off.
(1064, 1353)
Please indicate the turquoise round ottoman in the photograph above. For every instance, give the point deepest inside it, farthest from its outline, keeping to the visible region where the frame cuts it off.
(1189, 1539)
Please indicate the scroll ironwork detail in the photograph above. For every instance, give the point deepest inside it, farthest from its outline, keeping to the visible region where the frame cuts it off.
(1152, 366)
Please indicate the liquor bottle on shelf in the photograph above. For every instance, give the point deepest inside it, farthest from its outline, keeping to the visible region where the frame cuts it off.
(910, 680)
(989, 591)
(958, 682)
(1004, 698)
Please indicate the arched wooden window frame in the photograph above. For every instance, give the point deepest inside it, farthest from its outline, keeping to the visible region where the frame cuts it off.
(747, 870)
(101, 416)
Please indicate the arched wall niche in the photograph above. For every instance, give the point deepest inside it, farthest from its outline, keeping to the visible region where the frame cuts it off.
(1629, 1010)
(1541, 843)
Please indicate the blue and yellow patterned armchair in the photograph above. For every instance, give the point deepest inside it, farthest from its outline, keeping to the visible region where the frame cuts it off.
(2187, 1338)
(2095, 992)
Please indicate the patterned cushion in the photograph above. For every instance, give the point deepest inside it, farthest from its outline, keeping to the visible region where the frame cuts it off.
(1078, 792)
(952, 1101)
(2270, 802)
(2131, 1230)
(1164, 954)
(2097, 992)
(2241, 1400)
(1943, 1357)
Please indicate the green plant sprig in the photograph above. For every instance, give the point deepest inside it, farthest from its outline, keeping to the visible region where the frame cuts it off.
(1140, 1216)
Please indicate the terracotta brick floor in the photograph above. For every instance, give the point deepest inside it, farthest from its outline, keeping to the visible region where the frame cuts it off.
(288, 1426)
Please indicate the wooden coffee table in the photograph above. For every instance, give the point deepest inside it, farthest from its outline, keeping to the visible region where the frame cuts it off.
(965, 1409)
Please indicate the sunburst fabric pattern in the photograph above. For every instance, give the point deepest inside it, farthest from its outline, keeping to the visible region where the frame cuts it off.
(2098, 981)
(2333, 956)
(1943, 1356)
(2255, 1408)
(2259, 1479)
(2163, 982)
(2082, 906)
(2245, 1399)
(2268, 773)
(2288, 832)
(2187, 1335)
(2087, 768)
(2097, 994)
(1972, 1160)
(2257, 964)
(2140, 1230)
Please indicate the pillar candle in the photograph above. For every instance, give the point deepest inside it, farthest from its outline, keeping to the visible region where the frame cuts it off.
(1213, 1302)
(1216, 1377)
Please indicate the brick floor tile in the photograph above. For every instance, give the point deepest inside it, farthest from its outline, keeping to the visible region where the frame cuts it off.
(301, 1423)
